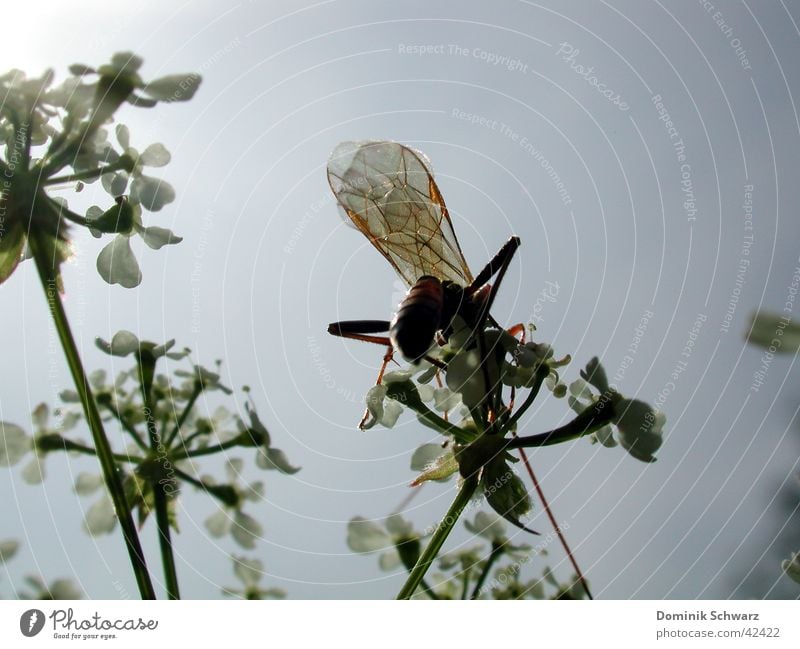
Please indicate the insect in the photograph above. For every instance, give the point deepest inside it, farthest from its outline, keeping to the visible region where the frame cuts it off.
(388, 192)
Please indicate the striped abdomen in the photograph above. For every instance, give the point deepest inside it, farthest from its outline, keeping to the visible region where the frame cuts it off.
(418, 318)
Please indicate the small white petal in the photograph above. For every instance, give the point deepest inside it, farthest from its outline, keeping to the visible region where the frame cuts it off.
(87, 483)
(606, 437)
(218, 524)
(397, 376)
(488, 526)
(426, 455)
(374, 399)
(122, 344)
(123, 136)
(101, 517)
(366, 536)
(64, 589)
(156, 237)
(40, 415)
(233, 469)
(249, 571)
(399, 527)
(174, 87)
(445, 399)
(14, 443)
(273, 458)
(117, 264)
(389, 560)
(580, 389)
(246, 530)
(152, 193)
(34, 472)
(391, 412)
(426, 392)
(8, 548)
(156, 155)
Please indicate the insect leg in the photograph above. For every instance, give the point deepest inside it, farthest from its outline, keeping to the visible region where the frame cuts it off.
(359, 330)
(362, 330)
(518, 330)
(497, 264)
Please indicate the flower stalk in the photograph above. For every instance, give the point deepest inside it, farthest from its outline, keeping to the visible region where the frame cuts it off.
(439, 537)
(48, 274)
(147, 363)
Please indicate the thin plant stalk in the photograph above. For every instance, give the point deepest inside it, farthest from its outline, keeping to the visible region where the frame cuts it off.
(439, 537)
(111, 472)
(494, 555)
(146, 372)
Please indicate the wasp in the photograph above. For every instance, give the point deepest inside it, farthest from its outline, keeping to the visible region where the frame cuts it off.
(387, 191)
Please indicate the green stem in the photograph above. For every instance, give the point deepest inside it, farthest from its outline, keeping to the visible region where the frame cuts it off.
(72, 216)
(187, 441)
(147, 365)
(111, 473)
(126, 425)
(589, 421)
(198, 389)
(77, 447)
(439, 537)
(464, 584)
(191, 480)
(494, 555)
(541, 374)
(89, 174)
(208, 450)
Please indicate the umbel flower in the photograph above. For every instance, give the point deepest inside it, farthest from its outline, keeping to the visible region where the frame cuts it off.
(15, 443)
(396, 540)
(244, 529)
(249, 572)
(54, 136)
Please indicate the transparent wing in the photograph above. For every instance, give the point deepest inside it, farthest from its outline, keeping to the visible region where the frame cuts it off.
(388, 192)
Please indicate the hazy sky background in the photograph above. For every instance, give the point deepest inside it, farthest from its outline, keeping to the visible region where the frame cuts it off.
(266, 263)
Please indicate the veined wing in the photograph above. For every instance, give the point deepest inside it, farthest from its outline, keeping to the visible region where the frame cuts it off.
(388, 192)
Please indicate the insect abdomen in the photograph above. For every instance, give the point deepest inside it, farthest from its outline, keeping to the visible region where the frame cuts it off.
(418, 318)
